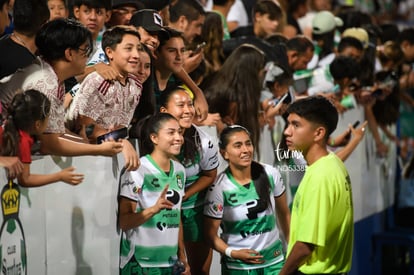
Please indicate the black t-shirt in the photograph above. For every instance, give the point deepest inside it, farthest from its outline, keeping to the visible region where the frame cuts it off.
(13, 56)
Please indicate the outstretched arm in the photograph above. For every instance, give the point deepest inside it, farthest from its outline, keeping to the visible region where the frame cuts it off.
(200, 101)
(66, 175)
(55, 144)
(357, 135)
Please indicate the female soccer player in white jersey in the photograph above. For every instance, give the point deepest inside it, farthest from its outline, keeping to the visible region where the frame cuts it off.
(199, 155)
(245, 201)
(150, 202)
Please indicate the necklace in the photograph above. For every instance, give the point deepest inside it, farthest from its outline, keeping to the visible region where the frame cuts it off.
(18, 39)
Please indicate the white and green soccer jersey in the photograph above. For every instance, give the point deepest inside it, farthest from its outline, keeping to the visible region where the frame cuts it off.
(154, 243)
(206, 159)
(245, 221)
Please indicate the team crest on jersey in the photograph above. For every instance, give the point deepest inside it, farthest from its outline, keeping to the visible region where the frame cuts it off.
(179, 182)
(277, 253)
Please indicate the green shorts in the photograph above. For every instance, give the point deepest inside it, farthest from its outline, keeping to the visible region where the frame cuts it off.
(133, 268)
(273, 269)
(192, 220)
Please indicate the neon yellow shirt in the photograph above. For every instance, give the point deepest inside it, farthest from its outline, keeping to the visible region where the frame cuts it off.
(322, 215)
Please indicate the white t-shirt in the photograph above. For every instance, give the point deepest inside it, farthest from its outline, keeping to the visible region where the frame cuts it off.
(238, 13)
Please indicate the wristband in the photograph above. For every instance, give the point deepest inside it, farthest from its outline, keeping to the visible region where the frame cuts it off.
(228, 251)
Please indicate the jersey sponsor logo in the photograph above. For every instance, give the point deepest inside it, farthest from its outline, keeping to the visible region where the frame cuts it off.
(163, 226)
(170, 215)
(254, 208)
(232, 198)
(173, 196)
(155, 183)
(213, 159)
(246, 234)
(127, 182)
(135, 189)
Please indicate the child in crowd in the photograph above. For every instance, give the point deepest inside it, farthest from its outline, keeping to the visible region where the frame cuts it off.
(63, 46)
(199, 155)
(150, 27)
(109, 105)
(58, 9)
(122, 11)
(150, 203)
(28, 116)
(93, 14)
(169, 58)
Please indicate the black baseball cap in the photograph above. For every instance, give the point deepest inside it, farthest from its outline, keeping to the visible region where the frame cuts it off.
(148, 19)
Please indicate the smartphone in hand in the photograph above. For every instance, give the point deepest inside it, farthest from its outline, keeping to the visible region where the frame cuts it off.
(199, 48)
(356, 123)
(115, 135)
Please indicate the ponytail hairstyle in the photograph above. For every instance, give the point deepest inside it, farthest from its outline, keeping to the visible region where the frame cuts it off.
(258, 174)
(24, 110)
(148, 126)
(192, 141)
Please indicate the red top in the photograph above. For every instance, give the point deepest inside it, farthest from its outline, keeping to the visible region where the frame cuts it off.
(25, 145)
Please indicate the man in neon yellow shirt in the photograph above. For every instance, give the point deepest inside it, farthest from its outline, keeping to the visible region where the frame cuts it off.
(321, 236)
